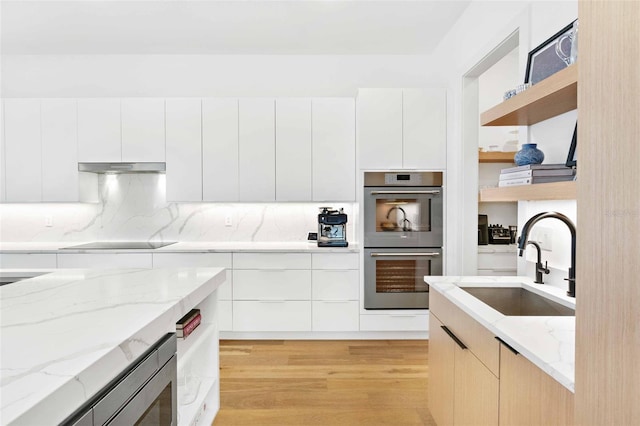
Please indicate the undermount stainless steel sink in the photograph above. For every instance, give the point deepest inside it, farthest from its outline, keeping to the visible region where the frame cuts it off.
(517, 301)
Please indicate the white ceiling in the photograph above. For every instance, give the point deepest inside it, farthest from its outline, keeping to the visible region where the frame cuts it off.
(226, 27)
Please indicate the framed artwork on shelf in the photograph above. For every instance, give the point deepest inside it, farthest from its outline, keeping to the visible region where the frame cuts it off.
(572, 156)
(550, 56)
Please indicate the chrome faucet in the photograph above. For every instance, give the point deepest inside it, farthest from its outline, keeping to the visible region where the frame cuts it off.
(539, 268)
(522, 243)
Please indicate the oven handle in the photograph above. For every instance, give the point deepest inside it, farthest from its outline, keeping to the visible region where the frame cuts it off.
(404, 254)
(432, 192)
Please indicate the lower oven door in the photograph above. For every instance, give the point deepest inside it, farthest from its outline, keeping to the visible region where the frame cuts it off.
(394, 278)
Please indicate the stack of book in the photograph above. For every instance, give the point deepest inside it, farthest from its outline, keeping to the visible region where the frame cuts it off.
(188, 323)
(535, 173)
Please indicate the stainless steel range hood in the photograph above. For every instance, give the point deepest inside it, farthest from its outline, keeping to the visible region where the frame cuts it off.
(122, 167)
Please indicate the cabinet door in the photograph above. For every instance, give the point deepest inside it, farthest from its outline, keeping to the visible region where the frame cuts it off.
(184, 150)
(3, 178)
(424, 127)
(143, 130)
(99, 130)
(220, 149)
(105, 260)
(23, 150)
(334, 150)
(476, 391)
(59, 150)
(380, 128)
(257, 154)
(441, 373)
(293, 150)
(528, 396)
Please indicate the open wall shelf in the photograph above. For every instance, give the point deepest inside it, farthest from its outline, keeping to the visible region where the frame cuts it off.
(552, 96)
(539, 191)
(496, 157)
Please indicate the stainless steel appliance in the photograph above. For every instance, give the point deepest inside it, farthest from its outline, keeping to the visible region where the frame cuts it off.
(120, 245)
(145, 394)
(332, 228)
(403, 209)
(112, 168)
(403, 235)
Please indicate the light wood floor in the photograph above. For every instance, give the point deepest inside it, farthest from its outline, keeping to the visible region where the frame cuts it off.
(306, 383)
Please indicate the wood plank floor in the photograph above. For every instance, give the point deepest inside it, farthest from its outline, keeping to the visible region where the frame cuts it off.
(306, 383)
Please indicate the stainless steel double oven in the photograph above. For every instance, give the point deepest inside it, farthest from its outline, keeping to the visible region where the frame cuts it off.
(403, 234)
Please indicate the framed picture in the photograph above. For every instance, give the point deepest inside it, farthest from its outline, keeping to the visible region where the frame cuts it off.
(544, 60)
(571, 158)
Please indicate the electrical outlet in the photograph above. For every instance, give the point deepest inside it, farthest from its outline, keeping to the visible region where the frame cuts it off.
(48, 221)
(545, 238)
(228, 221)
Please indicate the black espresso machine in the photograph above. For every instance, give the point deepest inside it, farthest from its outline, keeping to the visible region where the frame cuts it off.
(332, 228)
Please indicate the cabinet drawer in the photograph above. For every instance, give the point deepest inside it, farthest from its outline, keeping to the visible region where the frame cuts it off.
(394, 322)
(225, 315)
(105, 261)
(272, 316)
(178, 260)
(27, 261)
(271, 285)
(335, 260)
(335, 285)
(335, 316)
(478, 339)
(272, 261)
(497, 260)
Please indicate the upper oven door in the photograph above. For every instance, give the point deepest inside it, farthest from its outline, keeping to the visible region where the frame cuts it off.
(403, 216)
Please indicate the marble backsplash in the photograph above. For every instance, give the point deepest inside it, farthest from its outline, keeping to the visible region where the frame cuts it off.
(134, 207)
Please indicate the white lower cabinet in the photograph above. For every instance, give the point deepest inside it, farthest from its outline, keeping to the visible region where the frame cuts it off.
(271, 315)
(335, 315)
(225, 313)
(105, 260)
(394, 322)
(28, 261)
(273, 284)
(335, 285)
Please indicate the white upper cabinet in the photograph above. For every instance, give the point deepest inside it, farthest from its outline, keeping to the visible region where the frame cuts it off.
(184, 149)
(3, 179)
(334, 149)
(424, 124)
(380, 128)
(220, 149)
(257, 150)
(293, 149)
(23, 150)
(99, 130)
(60, 176)
(402, 129)
(143, 135)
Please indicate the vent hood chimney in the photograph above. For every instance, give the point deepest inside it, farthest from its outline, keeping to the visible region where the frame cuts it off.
(122, 167)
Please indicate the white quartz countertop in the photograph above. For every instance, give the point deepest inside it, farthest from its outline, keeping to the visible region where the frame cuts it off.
(66, 334)
(548, 342)
(181, 247)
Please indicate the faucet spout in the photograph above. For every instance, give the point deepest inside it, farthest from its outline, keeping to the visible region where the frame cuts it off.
(524, 236)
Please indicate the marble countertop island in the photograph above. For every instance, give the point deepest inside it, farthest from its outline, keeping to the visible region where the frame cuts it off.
(64, 335)
(548, 342)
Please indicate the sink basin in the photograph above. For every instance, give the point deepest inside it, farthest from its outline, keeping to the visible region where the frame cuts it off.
(517, 301)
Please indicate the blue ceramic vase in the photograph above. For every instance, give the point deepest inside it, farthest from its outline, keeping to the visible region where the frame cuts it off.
(529, 154)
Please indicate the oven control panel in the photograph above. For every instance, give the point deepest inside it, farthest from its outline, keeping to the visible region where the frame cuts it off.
(410, 179)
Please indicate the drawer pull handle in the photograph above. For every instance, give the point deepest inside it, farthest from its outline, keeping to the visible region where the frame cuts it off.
(271, 301)
(507, 345)
(432, 192)
(403, 254)
(454, 337)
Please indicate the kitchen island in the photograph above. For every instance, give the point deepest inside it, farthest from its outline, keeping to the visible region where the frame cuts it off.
(66, 334)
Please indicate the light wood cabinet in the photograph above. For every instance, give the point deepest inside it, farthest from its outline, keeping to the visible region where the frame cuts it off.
(99, 130)
(220, 149)
(528, 396)
(257, 150)
(441, 373)
(293, 149)
(402, 129)
(184, 149)
(334, 149)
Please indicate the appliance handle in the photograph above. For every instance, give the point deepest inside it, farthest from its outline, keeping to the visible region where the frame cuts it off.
(405, 254)
(431, 192)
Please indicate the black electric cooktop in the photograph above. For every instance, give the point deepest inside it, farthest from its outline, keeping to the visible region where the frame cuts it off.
(121, 245)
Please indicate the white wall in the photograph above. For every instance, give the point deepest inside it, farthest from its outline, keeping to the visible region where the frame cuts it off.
(483, 26)
(210, 75)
